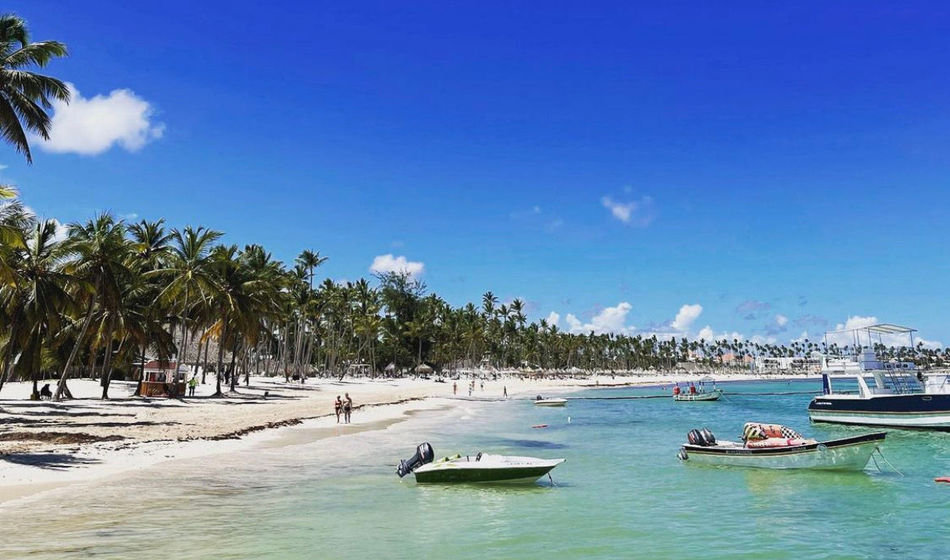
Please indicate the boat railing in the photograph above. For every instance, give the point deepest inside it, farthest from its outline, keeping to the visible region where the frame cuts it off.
(902, 383)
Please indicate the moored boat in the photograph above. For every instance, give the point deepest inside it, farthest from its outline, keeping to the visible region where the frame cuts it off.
(540, 401)
(699, 396)
(889, 392)
(777, 452)
(706, 390)
(480, 468)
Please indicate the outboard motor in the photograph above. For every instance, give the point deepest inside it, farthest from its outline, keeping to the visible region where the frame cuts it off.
(424, 454)
(702, 438)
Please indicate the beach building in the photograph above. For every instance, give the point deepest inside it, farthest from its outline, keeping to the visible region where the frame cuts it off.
(163, 378)
(787, 363)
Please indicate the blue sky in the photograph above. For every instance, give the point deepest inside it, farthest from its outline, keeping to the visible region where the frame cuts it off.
(783, 169)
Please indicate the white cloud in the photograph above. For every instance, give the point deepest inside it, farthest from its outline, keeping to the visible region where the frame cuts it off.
(686, 316)
(609, 320)
(759, 339)
(553, 319)
(389, 263)
(636, 213)
(91, 126)
(801, 338)
(62, 232)
(706, 333)
(781, 320)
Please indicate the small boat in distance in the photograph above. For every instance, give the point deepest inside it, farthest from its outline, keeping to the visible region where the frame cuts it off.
(771, 446)
(889, 392)
(541, 401)
(481, 468)
(707, 391)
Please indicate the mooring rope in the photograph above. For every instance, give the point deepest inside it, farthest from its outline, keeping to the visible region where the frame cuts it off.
(883, 458)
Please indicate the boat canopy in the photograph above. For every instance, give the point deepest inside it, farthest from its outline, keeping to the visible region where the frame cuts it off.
(880, 328)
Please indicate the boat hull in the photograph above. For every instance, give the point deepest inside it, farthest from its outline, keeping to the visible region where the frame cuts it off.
(848, 454)
(518, 475)
(899, 411)
(711, 396)
(551, 402)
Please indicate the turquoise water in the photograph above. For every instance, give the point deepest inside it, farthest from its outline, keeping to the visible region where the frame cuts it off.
(622, 493)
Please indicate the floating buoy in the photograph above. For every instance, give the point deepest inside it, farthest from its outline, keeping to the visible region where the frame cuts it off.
(540, 426)
(942, 479)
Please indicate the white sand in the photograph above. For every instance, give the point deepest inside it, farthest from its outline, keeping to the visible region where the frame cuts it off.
(44, 444)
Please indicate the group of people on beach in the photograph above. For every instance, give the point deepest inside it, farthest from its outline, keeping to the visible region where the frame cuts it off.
(343, 406)
(471, 387)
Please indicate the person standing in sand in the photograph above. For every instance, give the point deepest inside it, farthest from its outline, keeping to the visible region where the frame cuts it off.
(192, 383)
(338, 407)
(455, 388)
(347, 408)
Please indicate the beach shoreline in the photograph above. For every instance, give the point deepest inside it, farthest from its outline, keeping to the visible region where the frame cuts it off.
(44, 445)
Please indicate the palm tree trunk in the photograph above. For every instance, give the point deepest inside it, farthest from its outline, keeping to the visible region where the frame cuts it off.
(183, 354)
(107, 360)
(8, 357)
(217, 370)
(204, 367)
(61, 386)
(231, 370)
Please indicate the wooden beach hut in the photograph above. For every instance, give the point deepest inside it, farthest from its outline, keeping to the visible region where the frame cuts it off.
(163, 378)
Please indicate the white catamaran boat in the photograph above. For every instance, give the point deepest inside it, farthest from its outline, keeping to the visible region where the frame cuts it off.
(479, 468)
(888, 392)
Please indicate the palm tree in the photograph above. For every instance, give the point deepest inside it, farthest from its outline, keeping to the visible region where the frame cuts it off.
(25, 96)
(99, 268)
(310, 260)
(188, 277)
(35, 303)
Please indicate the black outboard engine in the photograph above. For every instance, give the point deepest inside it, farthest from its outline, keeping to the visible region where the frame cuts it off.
(424, 454)
(702, 438)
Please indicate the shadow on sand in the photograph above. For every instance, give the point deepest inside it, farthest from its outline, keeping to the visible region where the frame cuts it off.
(54, 461)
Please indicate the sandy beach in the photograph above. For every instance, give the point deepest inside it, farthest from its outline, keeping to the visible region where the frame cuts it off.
(44, 445)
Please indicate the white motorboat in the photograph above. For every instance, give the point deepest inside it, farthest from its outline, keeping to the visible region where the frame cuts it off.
(889, 392)
(540, 401)
(848, 454)
(479, 468)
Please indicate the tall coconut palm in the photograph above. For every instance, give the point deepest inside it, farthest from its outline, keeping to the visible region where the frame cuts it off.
(25, 96)
(99, 268)
(36, 302)
(188, 277)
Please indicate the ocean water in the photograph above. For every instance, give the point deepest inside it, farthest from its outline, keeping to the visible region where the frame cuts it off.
(621, 494)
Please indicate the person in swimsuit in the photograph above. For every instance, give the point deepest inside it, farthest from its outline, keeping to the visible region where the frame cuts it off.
(338, 405)
(347, 408)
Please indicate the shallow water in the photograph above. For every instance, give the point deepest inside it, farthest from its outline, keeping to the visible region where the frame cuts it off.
(621, 493)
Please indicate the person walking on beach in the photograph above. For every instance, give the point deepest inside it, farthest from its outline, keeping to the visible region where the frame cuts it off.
(192, 383)
(347, 408)
(504, 391)
(338, 407)
(455, 388)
